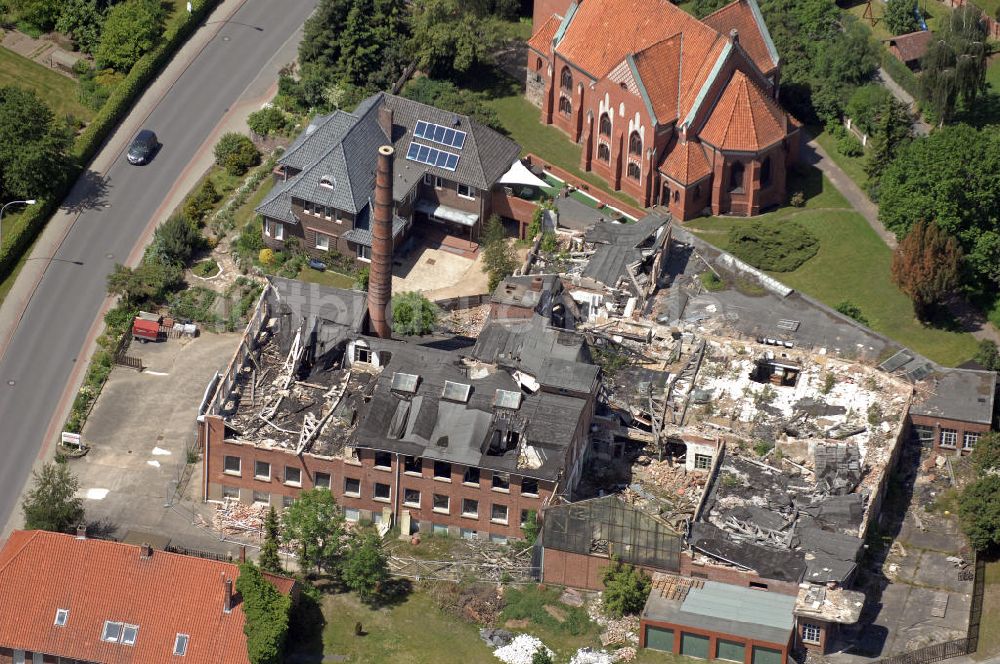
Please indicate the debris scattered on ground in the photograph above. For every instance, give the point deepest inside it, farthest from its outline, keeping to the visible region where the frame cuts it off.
(495, 638)
(467, 322)
(521, 650)
(590, 656)
(234, 518)
(616, 631)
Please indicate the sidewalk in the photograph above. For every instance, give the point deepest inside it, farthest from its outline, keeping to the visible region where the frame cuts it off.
(920, 128)
(260, 90)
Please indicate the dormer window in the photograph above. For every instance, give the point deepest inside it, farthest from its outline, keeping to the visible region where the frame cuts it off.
(328, 181)
(62, 615)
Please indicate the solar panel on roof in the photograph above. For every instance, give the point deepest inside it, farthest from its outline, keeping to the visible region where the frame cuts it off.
(405, 382)
(507, 399)
(456, 391)
(439, 134)
(425, 154)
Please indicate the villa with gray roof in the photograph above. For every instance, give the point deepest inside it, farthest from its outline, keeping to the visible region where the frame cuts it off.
(444, 178)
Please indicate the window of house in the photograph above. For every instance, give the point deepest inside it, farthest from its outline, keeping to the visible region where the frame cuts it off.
(322, 242)
(603, 152)
(697, 191)
(471, 476)
(352, 487)
(811, 633)
(524, 517)
(412, 465)
(287, 501)
(293, 476)
(702, 461)
(112, 631)
(465, 191)
(677, 195)
(230, 492)
(322, 481)
(757, 585)
(261, 498)
(501, 482)
(428, 179)
(37, 658)
(129, 634)
(635, 143)
(262, 470)
(438, 182)
(62, 615)
(565, 105)
(18, 657)
(605, 125)
(498, 513)
(442, 470)
(538, 63)
(362, 354)
(364, 253)
(411, 497)
(529, 487)
(383, 460)
(970, 439)
(949, 437)
(181, 644)
(441, 503)
(279, 231)
(381, 492)
(328, 181)
(470, 507)
(765, 173)
(566, 79)
(633, 170)
(736, 178)
(232, 465)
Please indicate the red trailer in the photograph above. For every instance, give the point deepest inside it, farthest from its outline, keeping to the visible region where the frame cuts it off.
(145, 330)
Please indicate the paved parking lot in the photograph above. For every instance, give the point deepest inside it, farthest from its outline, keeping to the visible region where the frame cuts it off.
(139, 433)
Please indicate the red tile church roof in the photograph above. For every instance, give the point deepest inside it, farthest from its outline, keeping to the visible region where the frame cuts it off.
(686, 163)
(745, 118)
(541, 41)
(739, 16)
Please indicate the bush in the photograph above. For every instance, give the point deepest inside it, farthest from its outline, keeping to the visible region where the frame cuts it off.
(979, 512)
(987, 355)
(849, 146)
(236, 153)
(207, 268)
(176, 240)
(711, 281)
(773, 247)
(852, 310)
(202, 202)
(549, 243)
(625, 589)
(413, 314)
(267, 121)
(266, 256)
(266, 612)
(797, 199)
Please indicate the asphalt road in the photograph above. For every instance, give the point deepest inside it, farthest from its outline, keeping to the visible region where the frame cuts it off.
(52, 333)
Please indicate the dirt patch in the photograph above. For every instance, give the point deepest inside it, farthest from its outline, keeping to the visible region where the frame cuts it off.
(558, 614)
(517, 624)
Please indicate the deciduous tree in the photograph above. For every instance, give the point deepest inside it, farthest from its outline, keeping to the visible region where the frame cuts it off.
(266, 612)
(413, 314)
(51, 502)
(954, 68)
(33, 146)
(625, 589)
(365, 565)
(925, 266)
(314, 524)
(979, 512)
(448, 40)
(131, 29)
(499, 259)
(82, 20)
(988, 355)
(899, 17)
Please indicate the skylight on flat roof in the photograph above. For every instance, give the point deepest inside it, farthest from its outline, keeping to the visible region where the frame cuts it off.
(507, 399)
(453, 138)
(405, 382)
(424, 154)
(456, 391)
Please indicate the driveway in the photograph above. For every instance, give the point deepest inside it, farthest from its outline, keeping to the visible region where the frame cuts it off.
(229, 62)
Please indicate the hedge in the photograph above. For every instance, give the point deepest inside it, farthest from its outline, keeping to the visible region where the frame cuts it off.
(901, 74)
(118, 105)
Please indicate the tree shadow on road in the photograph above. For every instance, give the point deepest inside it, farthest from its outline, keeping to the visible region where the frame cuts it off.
(89, 192)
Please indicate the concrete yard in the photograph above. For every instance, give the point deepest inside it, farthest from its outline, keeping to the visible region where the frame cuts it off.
(140, 432)
(439, 274)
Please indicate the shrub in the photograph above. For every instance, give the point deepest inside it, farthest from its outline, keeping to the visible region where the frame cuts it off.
(549, 243)
(979, 512)
(413, 314)
(176, 240)
(625, 589)
(361, 280)
(266, 256)
(202, 202)
(797, 199)
(236, 153)
(266, 612)
(850, 146)
(711, 281)
(267, 121)
(206, 268)
(774, 247)
(852, 310)
(987, 355)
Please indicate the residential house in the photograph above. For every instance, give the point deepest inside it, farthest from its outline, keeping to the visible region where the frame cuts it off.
(444, 179)
(74, 599)
(672, 110)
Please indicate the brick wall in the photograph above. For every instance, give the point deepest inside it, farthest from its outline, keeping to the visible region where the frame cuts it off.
(938, 424)
(734, 576)
(713, 639)
(275, 488)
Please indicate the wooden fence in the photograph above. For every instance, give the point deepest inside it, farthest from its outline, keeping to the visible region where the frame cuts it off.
(122, 358)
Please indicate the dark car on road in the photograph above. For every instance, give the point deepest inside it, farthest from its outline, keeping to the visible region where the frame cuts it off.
(143, 146)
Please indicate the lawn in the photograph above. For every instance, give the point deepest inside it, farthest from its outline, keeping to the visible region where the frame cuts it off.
(58, 91)
(416, 631)
(521, 119)
(852, 264)
(325, 278)
(989, 629)
(853, 166)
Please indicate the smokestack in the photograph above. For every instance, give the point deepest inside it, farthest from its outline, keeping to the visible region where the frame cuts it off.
(380, 272)
(145, 551)
(81, 531)
(227, 605)
(385, 120)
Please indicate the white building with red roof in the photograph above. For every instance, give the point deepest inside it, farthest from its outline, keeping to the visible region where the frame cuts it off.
(672, 110)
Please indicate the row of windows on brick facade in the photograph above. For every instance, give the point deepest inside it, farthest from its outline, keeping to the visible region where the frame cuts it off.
(949, 438)
(233, 465)
(382, 492)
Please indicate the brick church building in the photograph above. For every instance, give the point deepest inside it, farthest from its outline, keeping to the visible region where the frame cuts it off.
(672, 110)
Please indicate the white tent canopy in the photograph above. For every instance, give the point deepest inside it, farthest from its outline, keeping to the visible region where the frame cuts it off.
(519, 174)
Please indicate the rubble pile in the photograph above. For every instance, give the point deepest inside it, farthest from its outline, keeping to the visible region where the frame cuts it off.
(520, 650)
(234, 518)
(467, 322)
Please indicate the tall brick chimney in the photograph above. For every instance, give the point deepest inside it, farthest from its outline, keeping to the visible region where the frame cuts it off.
(227, 601)
(380, 272)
